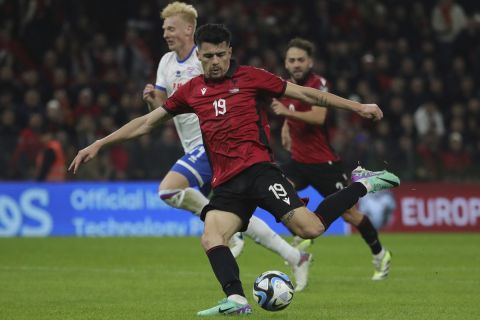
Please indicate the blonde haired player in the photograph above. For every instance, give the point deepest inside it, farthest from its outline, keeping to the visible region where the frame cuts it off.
(189, 179)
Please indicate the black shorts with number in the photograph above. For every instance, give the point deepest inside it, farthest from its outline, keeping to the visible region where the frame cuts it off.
(326, 178)
(262, 185)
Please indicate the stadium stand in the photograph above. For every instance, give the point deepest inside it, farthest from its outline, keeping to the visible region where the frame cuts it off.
(76, 69)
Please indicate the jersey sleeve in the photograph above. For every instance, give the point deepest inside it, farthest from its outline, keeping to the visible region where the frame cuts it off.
(161, 81)
(268, 82)
(178, 102)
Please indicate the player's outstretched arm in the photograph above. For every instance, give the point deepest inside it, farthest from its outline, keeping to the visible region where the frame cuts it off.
(329, 100)
(315, 116)
(135, 128)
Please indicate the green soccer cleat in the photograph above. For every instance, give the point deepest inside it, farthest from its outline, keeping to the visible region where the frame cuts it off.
(227, 307)
(382, 266)
(375, 180)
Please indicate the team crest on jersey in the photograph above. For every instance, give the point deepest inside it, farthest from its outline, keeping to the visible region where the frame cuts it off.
(178, 73)
(291, 107)
(203, 90)
(190, 71)
(234, 90)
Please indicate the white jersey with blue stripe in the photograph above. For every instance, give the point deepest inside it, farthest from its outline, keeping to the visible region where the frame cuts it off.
(171, 74)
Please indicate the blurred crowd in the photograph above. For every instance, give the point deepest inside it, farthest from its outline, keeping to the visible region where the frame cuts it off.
(73, 71)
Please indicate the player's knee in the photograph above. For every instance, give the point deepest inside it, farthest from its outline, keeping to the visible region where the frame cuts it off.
(310, 231)
(172, 197)
(205, 241)
(210, 240)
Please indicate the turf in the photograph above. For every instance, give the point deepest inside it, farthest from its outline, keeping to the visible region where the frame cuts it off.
(433, 277)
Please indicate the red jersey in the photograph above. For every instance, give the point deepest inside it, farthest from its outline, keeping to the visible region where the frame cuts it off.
(233, 127)
(310, 143)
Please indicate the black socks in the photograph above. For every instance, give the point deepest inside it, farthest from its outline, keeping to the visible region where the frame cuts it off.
(370, 235)
(226, 270)
(336, 204)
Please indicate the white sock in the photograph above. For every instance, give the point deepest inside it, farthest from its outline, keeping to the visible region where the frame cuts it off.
(237, 298)
(193, 201)
(259, 231)
(379, 255)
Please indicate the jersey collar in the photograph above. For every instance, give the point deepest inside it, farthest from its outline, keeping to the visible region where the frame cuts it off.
(188, 55)
(232, 69)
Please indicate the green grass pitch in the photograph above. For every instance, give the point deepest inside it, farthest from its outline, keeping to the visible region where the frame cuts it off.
(432, 277)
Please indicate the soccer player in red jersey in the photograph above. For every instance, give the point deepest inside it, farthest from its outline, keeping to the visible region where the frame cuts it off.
(185, 186)
(314, 162)
(244, 176)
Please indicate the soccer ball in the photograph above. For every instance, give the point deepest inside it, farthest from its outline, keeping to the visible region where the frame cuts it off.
(273, 290)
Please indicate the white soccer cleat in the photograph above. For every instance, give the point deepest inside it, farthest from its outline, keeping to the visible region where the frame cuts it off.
(236, 244)
(382, 266)
(300, 271)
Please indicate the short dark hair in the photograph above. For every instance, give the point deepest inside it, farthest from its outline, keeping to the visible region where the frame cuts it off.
(212, 33)
(303, 44)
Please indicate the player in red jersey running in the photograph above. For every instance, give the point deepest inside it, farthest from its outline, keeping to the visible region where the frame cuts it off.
(314, 162)
(244, 176)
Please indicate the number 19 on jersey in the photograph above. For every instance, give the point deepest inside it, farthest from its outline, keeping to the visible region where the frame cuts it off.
(220, 106)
